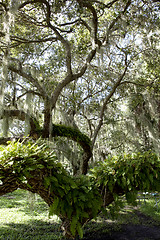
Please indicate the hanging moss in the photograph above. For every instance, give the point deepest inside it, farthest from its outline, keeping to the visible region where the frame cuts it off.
(35, 127)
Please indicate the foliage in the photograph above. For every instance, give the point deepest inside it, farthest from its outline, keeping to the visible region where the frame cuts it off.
(130, 173)
(22, 158)
(75, 198)
(79, 199)
(83, 60)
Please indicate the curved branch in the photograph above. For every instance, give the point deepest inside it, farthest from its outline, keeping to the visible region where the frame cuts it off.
(28, 2)
(106, 38)
(59, 89)
(29, 77)
(17, 68)
(134, 83)
(10, 183)
(77, 136)
(107, 5)
(59, 36)
(71, 77)
(89, 58)
(29, 91)
(4, 6)
(66, 44)
(116, 85)
(23, 40)
(94, 27)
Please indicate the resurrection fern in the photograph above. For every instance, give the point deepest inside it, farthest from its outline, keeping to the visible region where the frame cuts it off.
(77, 199)
(130, 173)
(74, 198)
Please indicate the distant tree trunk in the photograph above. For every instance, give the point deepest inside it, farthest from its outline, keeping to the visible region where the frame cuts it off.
(158, 110)
(47, 118)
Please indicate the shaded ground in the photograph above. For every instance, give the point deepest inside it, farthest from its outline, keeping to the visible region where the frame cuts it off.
(145, 228)
(21, 219)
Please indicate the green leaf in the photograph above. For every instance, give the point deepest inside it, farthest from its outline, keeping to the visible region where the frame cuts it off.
(82, 197)
(73, 185)
(60, 191)
(53, 208)
(53, 179)
(31, 168)
(84, 215)
(79, 230)
(47, 181)
(69, 211)
(73, 225)
(40, 166)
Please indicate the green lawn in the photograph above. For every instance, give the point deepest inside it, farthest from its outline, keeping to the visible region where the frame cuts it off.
(151, 207)
(24, 218)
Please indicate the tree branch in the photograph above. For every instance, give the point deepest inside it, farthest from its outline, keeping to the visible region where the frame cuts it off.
(106, 38)
(108, 5)
(27, 76)
(23, 40)
(4, 6)
(116, 85)
(59, 36)
(94, 27)
(65, 43)
(89, 58)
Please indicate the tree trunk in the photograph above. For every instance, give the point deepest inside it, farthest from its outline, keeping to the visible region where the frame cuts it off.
(47, 119)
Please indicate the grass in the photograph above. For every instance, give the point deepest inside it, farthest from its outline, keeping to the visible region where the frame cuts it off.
(151, 207)
(24, 218)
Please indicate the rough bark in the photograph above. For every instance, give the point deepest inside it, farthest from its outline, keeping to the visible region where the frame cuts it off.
(35, 184)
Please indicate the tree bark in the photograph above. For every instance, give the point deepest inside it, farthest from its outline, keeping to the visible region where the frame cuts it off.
(35, 184)
(47, 119)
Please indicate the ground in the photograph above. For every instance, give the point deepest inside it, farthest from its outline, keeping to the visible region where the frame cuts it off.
(25, 217)
(144, 228)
